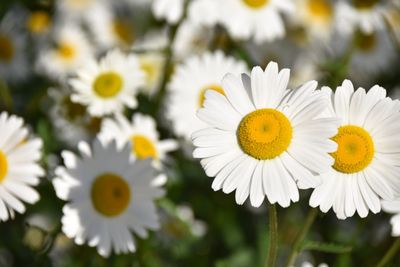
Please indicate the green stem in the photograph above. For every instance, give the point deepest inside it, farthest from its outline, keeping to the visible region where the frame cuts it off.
(296, 249)
(273, 237)
(390, 254)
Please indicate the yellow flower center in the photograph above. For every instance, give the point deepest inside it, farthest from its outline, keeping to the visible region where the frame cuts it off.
(66, 50)
(355, 149)
(6, 48)
(365, 42)
(124, 31)
(110, 194)
(215, 87)
(149, 70)
(3, 166)
(38, 22)
(108, 84)
(256, 4)
(320, 9)
(264, 133)
(143, 147)
(364, 4)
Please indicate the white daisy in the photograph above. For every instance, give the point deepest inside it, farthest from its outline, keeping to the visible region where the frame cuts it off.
(14, 65)
(142, 133)
(107, 86)
(170, 10)
(367, 15)
(316, 17)
(204, 12)
(366, 163)
(263, 138)
(19, 168)
(110, 30)
(109, 195)
(152, 64)
(71, 50)
(259, 19)
(393, 207)
(188, 85)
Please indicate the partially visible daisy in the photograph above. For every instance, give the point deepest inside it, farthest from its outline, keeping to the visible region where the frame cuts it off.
(152, 65)
(204, 12)
(257, 19)
(264, 140)
(190, 82)
(108, 86)
(71, 49)
(393, 207)
(110, 30)
(367, 15)
(14, 65)
(109, 195)
(366, 167)
(19, 168)
(141, 133)
(170, 10)
(316, 17)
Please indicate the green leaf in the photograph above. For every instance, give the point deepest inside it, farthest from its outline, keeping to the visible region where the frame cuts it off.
(325, 247)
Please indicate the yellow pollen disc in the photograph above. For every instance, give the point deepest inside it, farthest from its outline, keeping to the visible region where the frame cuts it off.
(320, 9)
(256, 3)
(110, 194)
(355, 149)
(215, 87)
(143, 147)
(264, 134)
(149, 70)
(66, 51)
(124, 31)
(38, 22)
(6, 48)
(365, 4)
(108, 84)
(365, 42)
(3, 166)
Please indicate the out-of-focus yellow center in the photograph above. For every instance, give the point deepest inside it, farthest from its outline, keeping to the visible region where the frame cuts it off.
(143, 147)
(123, 31)
(67, 51)
(320, 9)
(264, 133)
(365, 4)
(3, 166)
(256, 3)
(365, 42)
(215, 87)
(355, 149)
(7, 49)
(38, 22)
(108, 84)
(110, 194)
(149, 70)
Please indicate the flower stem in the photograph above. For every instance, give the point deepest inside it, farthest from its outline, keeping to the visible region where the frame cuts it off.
(273, 237)
(296, 249)
(390, 254)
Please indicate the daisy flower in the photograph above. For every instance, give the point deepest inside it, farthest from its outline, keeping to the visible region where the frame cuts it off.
(107, 86)
(109, 195)
(204, 12)
(366, 165)
(70, 51)
(393, 207)
(170, 10)
(141, 133)
(19, 168)
(188, 85)
(152, 65)
(316, 17)
(259, 19)
(367, 15)
(14, 64)
(263, 139)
